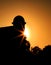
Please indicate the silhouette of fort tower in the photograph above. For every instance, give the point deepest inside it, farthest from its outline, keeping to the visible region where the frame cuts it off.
(10, 38)
(12, 31)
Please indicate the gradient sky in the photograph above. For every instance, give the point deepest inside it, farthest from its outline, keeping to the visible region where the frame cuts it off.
(37, 14)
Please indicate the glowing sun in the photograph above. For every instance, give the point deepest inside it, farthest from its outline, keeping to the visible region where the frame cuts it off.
(26, 32)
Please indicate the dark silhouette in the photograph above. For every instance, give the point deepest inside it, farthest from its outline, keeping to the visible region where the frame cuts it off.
(15, 49)
(47, 54)
(11, 37)
(42, 56)
(11, 32)
(36, 50)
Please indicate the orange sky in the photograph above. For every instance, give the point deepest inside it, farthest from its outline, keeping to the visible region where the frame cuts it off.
(37, 14)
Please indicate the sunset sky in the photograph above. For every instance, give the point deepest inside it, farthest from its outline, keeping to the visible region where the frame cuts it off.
(37, 14)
